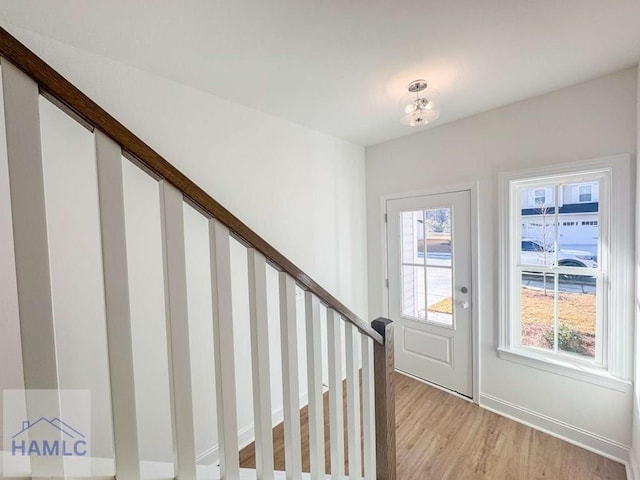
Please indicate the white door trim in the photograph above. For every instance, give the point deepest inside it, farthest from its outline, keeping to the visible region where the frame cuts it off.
(473, 188)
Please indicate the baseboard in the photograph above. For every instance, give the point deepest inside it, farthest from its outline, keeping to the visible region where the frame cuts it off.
(210, 455)
(590, 441)
(246, 436)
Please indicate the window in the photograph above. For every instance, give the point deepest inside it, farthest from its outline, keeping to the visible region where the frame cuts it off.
(427, 271)
(564, 299)
(528, 246)
(585, 193)
(540, 196)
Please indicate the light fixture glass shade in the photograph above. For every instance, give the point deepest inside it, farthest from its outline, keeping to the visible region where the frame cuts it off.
(419, 105)
(419, 118)
(408, 101)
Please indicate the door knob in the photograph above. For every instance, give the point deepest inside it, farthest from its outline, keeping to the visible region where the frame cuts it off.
(463, 305)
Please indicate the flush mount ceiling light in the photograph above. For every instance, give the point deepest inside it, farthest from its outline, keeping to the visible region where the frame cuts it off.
(418, 105)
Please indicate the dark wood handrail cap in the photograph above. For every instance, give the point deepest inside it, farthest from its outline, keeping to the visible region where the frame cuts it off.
(380, 325)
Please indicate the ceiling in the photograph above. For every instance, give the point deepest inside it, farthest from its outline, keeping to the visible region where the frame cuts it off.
(340, 66)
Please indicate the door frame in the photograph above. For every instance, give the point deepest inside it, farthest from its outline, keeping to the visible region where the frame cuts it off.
(473, 189)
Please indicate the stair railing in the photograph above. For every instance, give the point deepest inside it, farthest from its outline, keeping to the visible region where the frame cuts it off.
(24, 77)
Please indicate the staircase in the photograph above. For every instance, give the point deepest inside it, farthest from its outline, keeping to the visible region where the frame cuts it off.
(368, 348)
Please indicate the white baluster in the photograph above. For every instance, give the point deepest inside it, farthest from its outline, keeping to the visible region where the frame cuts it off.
(223, 350)
(118, 314)
(353, 401)
(260, 364)
(290, 387)
(31, 245)
(175, 280)
(314, 383)
(336, 405)
(368, 409)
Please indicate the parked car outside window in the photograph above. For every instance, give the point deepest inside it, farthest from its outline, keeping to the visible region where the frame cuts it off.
(535, 253)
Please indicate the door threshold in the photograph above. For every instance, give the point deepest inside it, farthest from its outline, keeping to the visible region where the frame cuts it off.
(435, 385)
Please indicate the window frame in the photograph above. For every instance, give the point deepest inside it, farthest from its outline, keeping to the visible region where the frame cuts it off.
(612, 368)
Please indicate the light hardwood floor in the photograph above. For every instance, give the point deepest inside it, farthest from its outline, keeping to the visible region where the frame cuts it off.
(442, 437)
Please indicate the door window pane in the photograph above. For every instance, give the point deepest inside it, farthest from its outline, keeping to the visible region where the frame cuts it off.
(412, 225)
(438, 231)
(413, 292)
(440, 295)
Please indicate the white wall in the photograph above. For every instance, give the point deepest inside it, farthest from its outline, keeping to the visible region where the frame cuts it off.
(635, 451)
(302, 190)
(76, 264)
(590, 120)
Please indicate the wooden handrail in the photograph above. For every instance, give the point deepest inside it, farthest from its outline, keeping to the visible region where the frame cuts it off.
(66, 94)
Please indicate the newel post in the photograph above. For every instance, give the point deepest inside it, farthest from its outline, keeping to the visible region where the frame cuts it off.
(385, 396)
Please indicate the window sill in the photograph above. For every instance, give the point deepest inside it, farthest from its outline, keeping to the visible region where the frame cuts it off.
(592, 375)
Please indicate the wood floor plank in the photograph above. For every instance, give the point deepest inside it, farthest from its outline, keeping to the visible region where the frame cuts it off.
(442, 437)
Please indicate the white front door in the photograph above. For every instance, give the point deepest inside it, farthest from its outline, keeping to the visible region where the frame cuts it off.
(429, 280)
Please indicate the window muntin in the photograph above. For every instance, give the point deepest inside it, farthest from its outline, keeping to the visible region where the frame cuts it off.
(556, 295)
